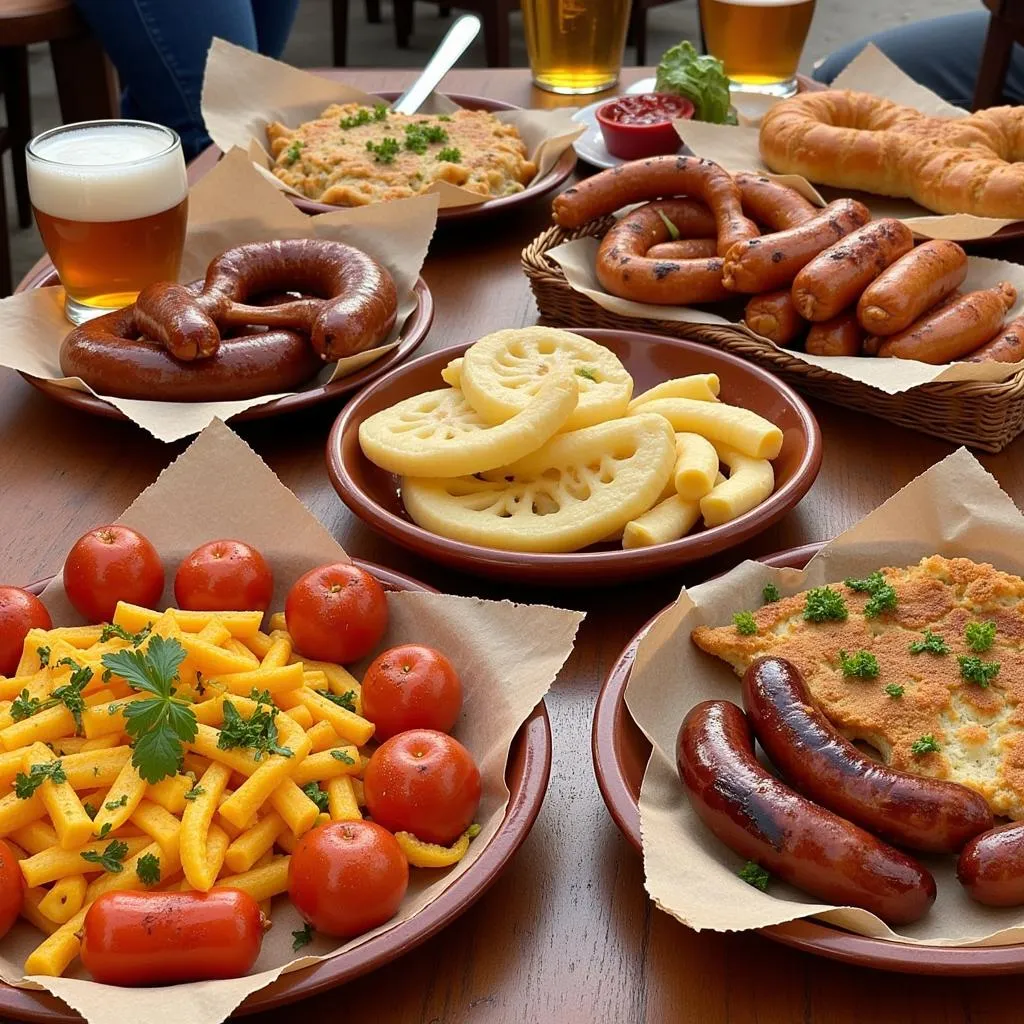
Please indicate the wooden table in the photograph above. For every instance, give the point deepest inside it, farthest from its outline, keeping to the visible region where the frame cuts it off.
(567, 934)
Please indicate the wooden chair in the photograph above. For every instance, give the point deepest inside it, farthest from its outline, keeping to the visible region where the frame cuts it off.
(339, 27)
(493, 13)
(638, 27)
(1005, 27)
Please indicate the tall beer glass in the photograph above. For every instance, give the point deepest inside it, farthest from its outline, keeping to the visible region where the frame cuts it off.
(575, 46)
(758, 41)
(111, 202)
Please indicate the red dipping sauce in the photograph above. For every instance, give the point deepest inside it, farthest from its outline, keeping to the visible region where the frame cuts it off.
(635, 127)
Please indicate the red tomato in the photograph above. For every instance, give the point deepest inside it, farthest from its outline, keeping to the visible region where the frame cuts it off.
(411, 687)
(111, 564)
(347, 877)
(423, 782)
(12, 888)
(162, 938)
(20, 611)
(336, 613)
(224, 576)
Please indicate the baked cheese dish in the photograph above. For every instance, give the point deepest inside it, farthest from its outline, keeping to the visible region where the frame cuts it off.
(353, 155)
(924, 664)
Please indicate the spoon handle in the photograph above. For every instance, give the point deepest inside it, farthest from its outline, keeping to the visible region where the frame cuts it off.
(463, 31)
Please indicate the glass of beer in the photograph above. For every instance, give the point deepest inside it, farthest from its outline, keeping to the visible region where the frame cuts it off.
(758, 41)
(575, 46)
(111, 203)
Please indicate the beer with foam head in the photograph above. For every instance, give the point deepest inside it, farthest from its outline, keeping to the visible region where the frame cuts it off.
(111, 203)
(758, 41)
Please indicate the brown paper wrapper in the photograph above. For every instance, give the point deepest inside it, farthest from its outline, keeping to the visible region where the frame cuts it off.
(954, 509)
(243, 92)
(506, 654)
(736, 147)
(230, 206)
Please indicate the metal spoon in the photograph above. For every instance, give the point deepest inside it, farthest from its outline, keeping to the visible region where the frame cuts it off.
(464, 30)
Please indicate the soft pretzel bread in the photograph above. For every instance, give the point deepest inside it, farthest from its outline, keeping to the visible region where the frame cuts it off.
(858, 141)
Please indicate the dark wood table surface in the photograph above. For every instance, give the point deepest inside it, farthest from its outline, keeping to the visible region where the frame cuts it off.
(567, 934)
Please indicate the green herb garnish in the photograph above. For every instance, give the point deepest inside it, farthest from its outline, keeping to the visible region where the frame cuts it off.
(894, 690)
(26, 785)
(755, 875)
(25, 706)
(925, 745)
(113, 805)
(974, 670)
(933, 643)
(744, 623)
(863, 664)
(89, 809)
(135, 639)
(303, 937)
(261, 696)
(980, 635)
(110, 859)
(450, 155)
(346, 700)
(44, 656)
(291, 154)
(148, 869)
(823, 604)
(343, 756)
(673, 231)
(770, 593)
(195, 793)
(317, 795)
(258, 733)
(587, 372)
(883, 596)
(385, 151)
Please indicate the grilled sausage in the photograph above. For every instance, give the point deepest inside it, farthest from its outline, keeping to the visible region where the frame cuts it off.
(684, 249)
(772, 205)
(1006, 347)
(840, 336)
(923, 814)
(991, 866)
(774, 317)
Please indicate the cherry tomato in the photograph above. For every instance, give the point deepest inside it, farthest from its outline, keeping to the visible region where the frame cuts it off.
(347, 877)
(111, 564)
(336, 613)
(162, 938)
(411, 687)
(223, 576)
(20, 611)
(12, 888)
(423, 782)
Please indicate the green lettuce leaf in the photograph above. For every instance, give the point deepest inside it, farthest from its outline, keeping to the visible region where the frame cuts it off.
(701, 79)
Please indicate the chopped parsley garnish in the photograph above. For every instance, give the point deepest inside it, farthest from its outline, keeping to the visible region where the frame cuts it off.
(24, 706)
(104, 829)
(163, 722)
(110, 859)
(883, 597)
(863, 664)
(346, 700)
(70, 694)
(933, 643)
(755, 875)
(927, 744)
(894, 690)
(113, 805)
(317, 795)
(421, 134)
(291, 154)
(744, 623)
(135, 639)
(770, 593)
(89, 809)
(385, 151)
(148, 869)
(343, 756)
(44, 656)
(974, 670)
(261, 696)
(195, 793)
(980, 635)
(823, 604)
(587, 373)
(364, 115)
(303, 937)
(450, 155)
(258, 733)
(444, 117)
(26, 785)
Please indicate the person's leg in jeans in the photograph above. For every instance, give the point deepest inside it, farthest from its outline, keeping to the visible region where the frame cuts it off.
(943, 54)
(159, 49)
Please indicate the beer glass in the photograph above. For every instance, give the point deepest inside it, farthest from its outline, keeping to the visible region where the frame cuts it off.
(575, 46)
(758, 41)
(111, 203)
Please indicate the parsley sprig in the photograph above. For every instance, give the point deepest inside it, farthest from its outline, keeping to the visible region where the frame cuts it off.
(823, 604)
(883, 597)
(317, 795)
(895, 690)
(450, 155)
(259, 732)
(926, 744)
(303, 937)
(862, 664)
(163, 722)
(770, 593)
(110, 859)
(70, 695)
(980, 635)
(343, 756)
(26, 785)
(755, 875)
(974, 670)
(44, 656)
(744, 623)
(148, 869)
(933, 643)
(364, 115)
(346, 700)
(385, 151)
(111, 630)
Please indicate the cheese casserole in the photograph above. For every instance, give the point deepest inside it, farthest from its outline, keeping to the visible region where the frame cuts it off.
(930, 673)
(353, 155)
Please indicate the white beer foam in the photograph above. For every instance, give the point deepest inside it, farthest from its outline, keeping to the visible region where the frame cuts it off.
(106, 173)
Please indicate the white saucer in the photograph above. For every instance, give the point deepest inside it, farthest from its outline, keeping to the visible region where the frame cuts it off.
(590, 145)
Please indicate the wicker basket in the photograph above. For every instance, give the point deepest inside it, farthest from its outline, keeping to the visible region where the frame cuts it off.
(982, 415)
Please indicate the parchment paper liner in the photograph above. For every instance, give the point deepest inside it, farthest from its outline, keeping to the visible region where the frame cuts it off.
(954, 509)
(229, 206)
(507, 656)
(244, 91)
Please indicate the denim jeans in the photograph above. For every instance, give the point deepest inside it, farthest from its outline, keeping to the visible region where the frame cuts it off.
(159, 49)
(943, 54)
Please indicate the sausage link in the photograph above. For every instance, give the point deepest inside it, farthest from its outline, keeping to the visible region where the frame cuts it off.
(954, 329)
(762, 819)
(923, 814)
(654, 178)
(911, 286)
(772, 205)
(1007, 347)
(774, 317)
(835, 277)
(684, 249)
(991, 866)
(171, 315)
(840, 336)
(772, 261)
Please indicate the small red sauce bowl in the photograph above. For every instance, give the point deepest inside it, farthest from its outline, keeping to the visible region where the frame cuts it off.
(639, 126)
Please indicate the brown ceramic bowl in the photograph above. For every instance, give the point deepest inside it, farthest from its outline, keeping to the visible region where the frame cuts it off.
(621, 751)
(526, 775)
(539, 186)
(373, 494)
(413, 332)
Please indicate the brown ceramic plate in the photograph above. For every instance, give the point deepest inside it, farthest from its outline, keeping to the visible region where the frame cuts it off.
(539, 186)
(413, 332)
(526, 774)
(373, 494)
(621, 751)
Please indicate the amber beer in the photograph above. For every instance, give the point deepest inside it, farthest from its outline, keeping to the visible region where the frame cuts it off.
(111, 203)
(759, 41)
(575, 46)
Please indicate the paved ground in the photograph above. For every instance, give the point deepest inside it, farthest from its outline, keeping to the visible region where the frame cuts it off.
(835, 22)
